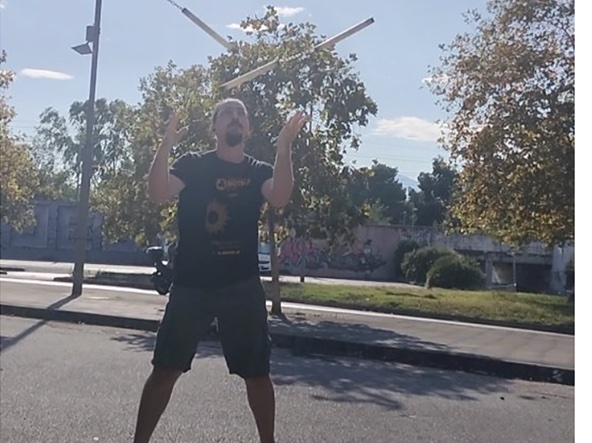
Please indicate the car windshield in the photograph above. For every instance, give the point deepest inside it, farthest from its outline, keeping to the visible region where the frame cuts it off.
(264, 248)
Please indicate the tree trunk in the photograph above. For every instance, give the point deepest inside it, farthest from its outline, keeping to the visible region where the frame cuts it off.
(276, 299)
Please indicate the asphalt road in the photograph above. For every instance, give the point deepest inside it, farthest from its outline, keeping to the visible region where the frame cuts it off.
(69, 383)
(60, 269)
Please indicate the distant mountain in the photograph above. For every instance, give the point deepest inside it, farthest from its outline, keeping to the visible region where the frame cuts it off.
(408, 182)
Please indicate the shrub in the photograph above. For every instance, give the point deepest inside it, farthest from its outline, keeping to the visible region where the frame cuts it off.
(403, 248)
(417, 263)
(455, 272)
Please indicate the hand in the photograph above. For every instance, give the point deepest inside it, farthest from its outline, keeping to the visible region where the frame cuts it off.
(291, 129)
(173, 134)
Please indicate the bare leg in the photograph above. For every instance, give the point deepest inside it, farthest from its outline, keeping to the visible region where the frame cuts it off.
(155, 398)
(262, 402)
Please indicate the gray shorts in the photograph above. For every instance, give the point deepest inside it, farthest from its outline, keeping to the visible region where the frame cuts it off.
(242, 326)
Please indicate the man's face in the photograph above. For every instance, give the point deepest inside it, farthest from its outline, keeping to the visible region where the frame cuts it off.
(232, 123)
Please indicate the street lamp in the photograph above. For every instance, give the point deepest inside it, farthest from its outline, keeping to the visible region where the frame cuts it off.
(91, 46)
(83, 49)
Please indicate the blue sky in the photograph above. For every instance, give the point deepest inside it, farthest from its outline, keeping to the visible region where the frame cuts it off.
(138, 35)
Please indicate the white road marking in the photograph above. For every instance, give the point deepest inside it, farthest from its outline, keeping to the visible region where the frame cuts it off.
(287, 305)
(68, 285)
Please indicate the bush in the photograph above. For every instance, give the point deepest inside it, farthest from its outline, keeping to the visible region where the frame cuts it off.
(455, 272)
(417, 263)
(403, 248)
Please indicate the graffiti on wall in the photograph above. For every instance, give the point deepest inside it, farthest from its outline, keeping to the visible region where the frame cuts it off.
(296, 254)
(424, 236)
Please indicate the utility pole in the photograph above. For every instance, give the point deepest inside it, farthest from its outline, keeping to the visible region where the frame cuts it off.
(87, 157)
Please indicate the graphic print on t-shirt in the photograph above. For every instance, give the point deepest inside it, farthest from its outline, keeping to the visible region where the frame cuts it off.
(232, 184)
(216, 217)
(218, 214)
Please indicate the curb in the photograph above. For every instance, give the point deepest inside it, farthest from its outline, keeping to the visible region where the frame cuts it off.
(311, 346)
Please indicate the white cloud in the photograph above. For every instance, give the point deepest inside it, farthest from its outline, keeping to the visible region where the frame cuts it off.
(282, 11)
(288, 11)
(3, 4)
(435, 80)
(409, 128)
(237, 27)
(44, 73)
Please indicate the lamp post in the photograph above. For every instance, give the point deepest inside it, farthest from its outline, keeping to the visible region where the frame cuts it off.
(92, 37)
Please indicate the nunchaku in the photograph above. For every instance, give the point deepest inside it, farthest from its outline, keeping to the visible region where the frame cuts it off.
(253, 74)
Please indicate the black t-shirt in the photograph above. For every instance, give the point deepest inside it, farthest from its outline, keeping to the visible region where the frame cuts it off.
(218, 219)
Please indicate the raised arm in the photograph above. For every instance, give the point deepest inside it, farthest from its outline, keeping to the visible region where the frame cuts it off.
(163, 186)
(278, 189)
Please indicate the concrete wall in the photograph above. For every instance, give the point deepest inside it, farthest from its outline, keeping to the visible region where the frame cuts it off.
(52, 238)
(562, 256)
(370, 256)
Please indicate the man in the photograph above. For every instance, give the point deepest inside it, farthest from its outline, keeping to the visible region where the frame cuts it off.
(216, 272)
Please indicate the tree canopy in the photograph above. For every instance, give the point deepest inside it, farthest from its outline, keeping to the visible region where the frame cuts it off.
(379, 192)
(509, 90)
(431, 202)
(323, 84)
(18, 175)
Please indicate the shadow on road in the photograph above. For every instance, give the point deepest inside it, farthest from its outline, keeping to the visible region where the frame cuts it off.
(348, 380)
(302, 325)
(294, 331)
(7, 342)
(351, 380)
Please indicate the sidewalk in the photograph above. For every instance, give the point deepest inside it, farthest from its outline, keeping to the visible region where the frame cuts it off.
(64, 270)
(498, 351)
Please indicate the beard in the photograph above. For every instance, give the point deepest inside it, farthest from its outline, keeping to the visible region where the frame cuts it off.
(234, 139)
(234, 135)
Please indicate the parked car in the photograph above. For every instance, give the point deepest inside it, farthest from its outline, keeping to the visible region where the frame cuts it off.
(264, 258)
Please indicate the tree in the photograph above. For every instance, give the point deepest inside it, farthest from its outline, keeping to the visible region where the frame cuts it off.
(115, 193)
(57, 178)
(122, 198)
(18, 176)
(59, 141)
(432, 200)
(509, 88)
(324, 85)
(379, 191)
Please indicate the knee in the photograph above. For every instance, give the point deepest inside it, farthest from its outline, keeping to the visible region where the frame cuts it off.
(257, 382)
(162, 376)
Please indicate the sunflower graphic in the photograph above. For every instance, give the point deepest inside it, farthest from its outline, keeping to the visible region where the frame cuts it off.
(216, 217)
